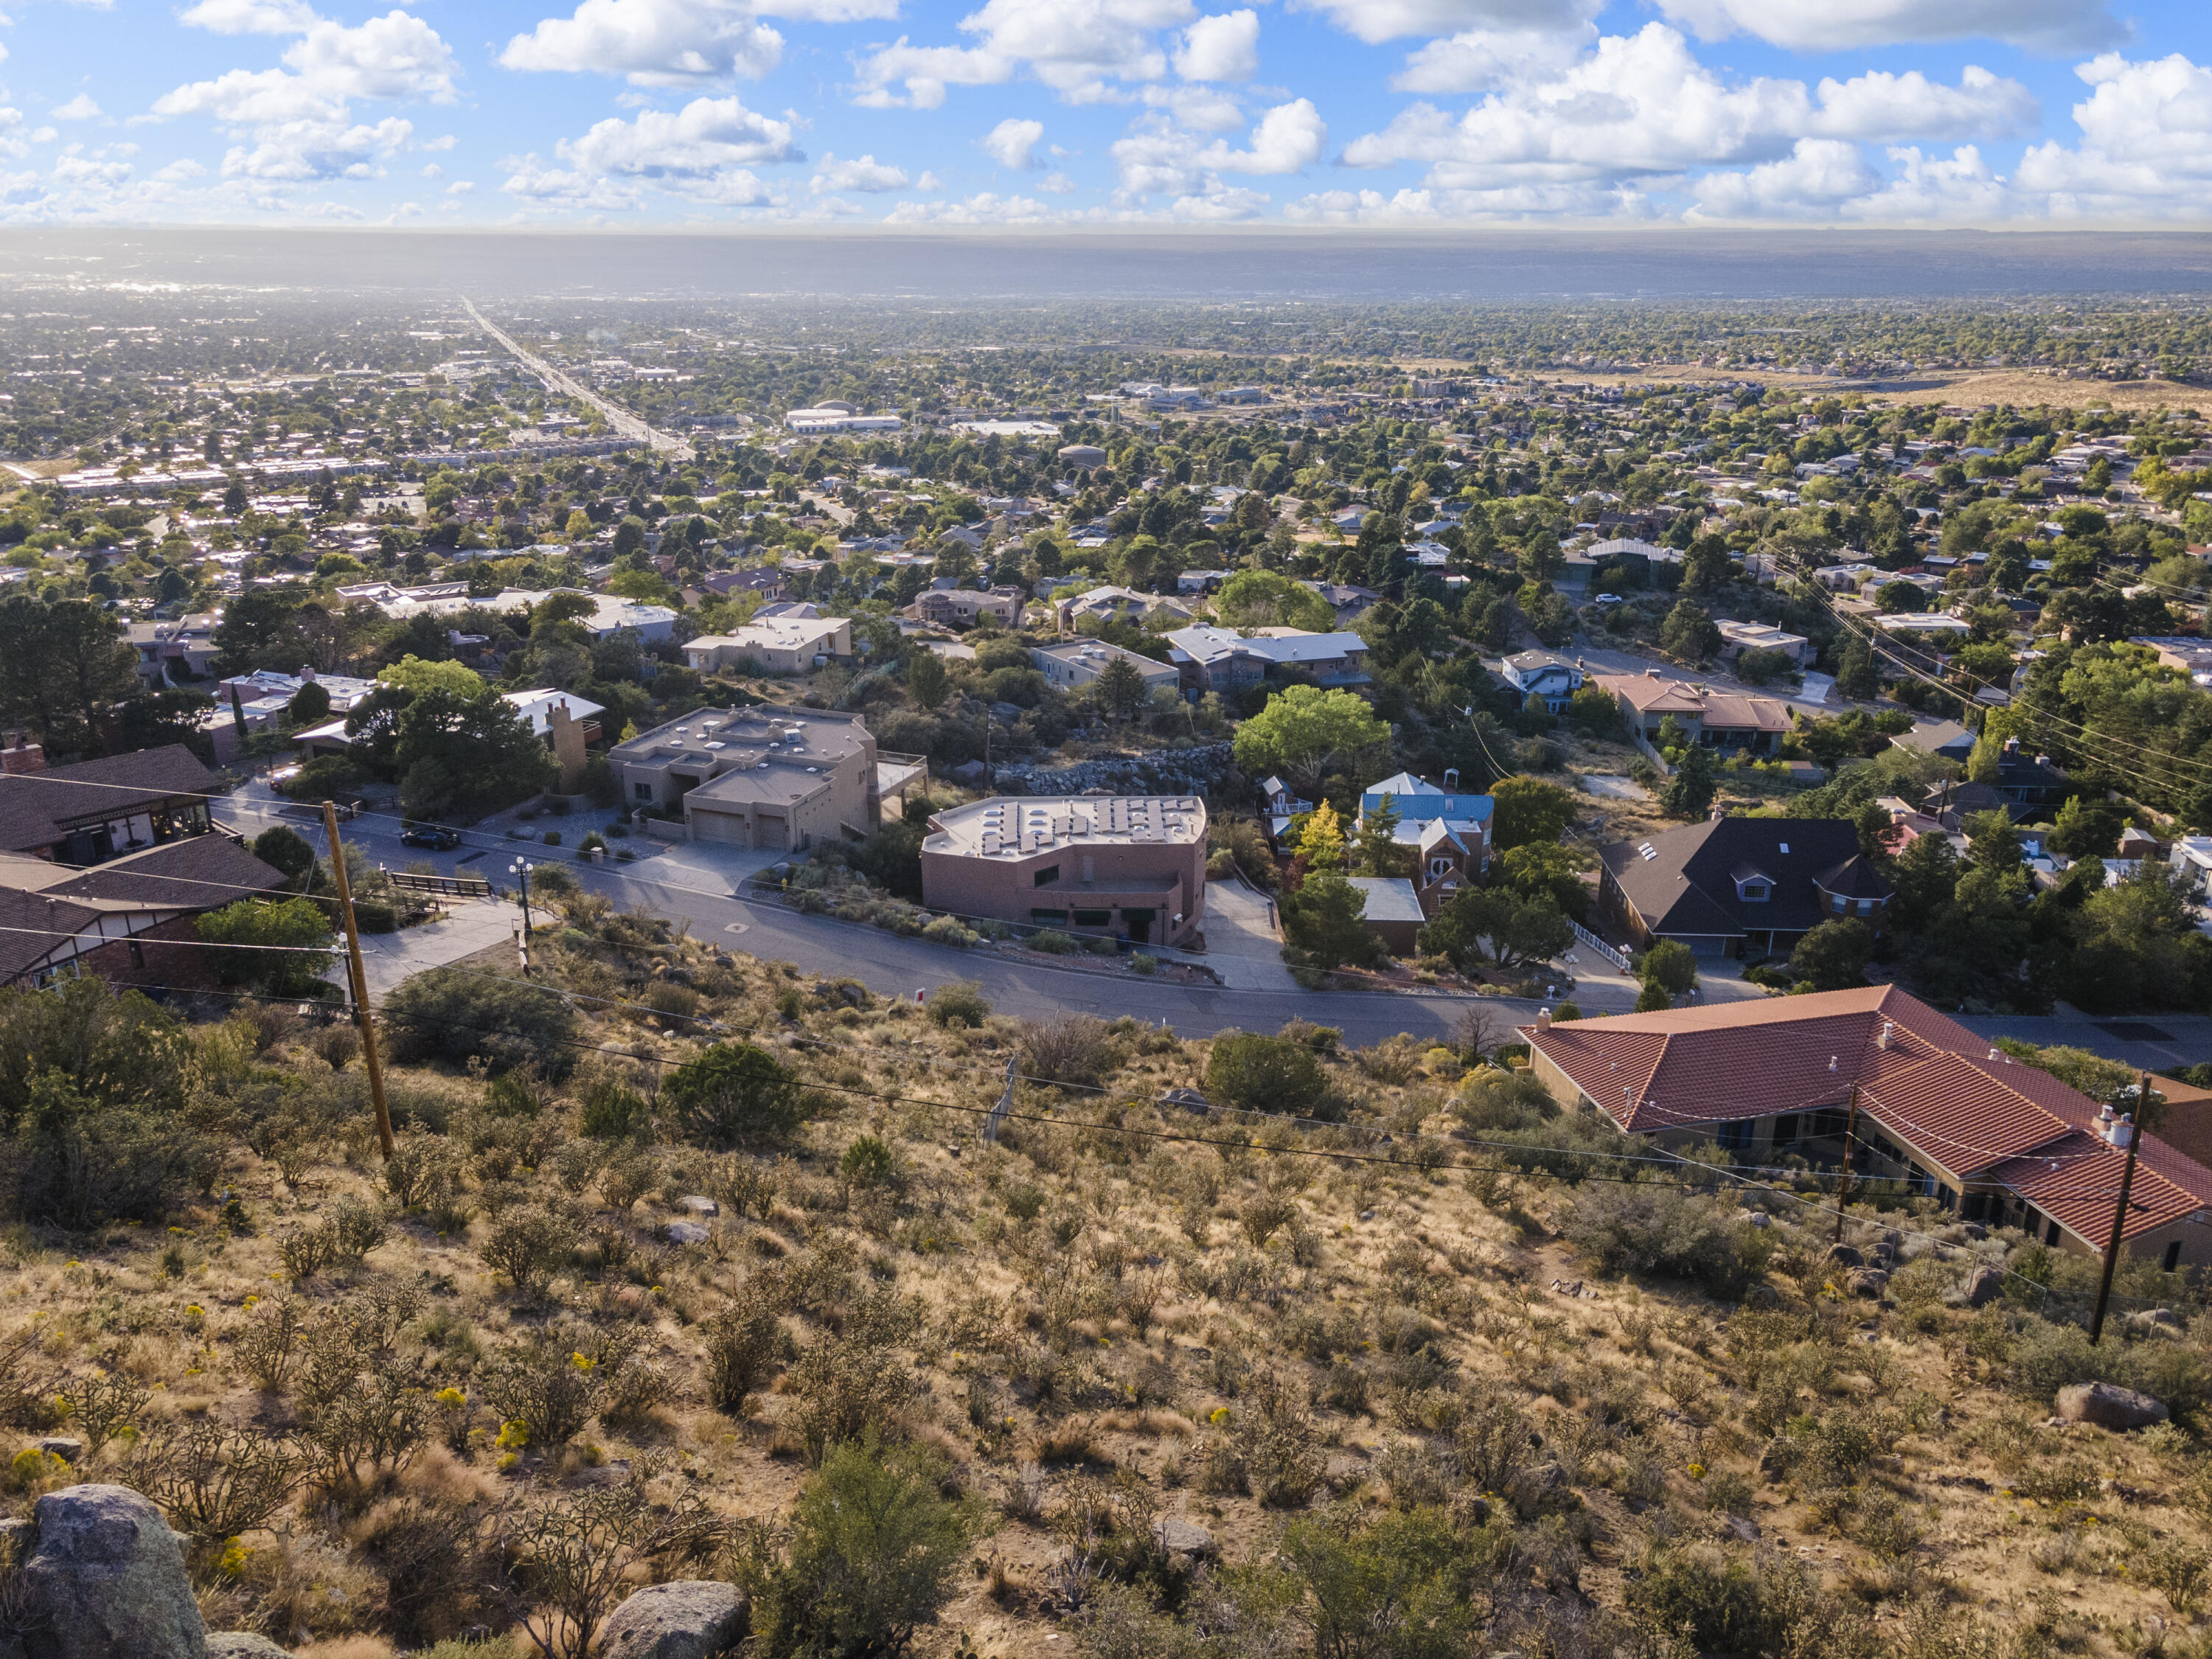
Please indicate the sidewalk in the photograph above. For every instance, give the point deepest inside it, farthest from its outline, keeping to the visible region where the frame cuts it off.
(466, 928)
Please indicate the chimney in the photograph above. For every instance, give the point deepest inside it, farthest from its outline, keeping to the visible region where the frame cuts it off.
(1888, 1031)
(1719, 811)
(2043, 760)
(306, 673)
(21, 758)
(1451, 780)
(2120, 1131)
(1543, 1019)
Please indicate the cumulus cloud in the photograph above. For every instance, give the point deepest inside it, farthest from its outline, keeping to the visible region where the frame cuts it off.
(1225, 47)
(1013, 142)
(1079, 48)
(2147, 144)
(79, 108)
(180, 171)
(251, 16)
(702, 153)
(1476, 59)
(651, 42)
(297, 120)
(1839, 25)
(1378, 21)
(1642, 106)
(864, 175)
(1160, 159)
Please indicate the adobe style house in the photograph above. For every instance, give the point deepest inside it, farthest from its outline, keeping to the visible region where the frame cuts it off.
(1132, 866)
(1741, 887)
(1990, 1138)
(768, 778)
(1716, 719)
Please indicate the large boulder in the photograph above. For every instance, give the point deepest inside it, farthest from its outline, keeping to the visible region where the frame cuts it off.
(105, 1579)
(2109, 1406)
(1843, 1255)
(690, 1619)
(242, 1645)
(1981, 1287)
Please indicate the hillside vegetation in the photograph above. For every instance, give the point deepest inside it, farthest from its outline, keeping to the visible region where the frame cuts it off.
(704, 1271)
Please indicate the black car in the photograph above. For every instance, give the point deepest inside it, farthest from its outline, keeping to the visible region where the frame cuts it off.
(435, 836)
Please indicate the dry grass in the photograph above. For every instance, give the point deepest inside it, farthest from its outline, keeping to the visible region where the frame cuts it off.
(1340, 1335)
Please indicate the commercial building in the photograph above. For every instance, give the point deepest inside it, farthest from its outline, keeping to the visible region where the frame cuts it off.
(1738, 887)
(1221, 659)
(1088, 456)
(826, 418)
(1940, 1109)
(121, 919)
(1132, 866)
(768, 778)
(1717, 719)
(1073, 664)
(786, 644)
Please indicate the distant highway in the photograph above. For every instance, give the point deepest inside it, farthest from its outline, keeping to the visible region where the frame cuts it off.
(620, 420)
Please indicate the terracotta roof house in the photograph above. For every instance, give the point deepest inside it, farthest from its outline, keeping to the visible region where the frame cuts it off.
(1717, 719)
(1940, 1109)
(1737, 887)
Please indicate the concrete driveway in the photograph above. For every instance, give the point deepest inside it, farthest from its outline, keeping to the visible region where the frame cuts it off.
(1241, 943)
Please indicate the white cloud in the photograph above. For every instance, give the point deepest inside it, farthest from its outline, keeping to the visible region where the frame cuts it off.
(1013, 142)
(1201, 109)
(1079, 48)
(986, 209)
(2147, 144)
(652, 42)
(251, 16)
(460, 187)
(298, 117)
(79, 108)
(432, 170)
(1225, 47)
(1378, 21)
(866, 175)
(1160, 159)
(1476, 60)
(1839, 25)
(179, 171)
(74, 166)
(703, 153)
(1642, 106)
(1057, 184)
(1825, 179)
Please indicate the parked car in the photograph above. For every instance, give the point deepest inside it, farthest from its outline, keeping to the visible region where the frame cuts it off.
(435, 836)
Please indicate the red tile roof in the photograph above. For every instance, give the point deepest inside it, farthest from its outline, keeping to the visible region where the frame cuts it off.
(1930, 1083)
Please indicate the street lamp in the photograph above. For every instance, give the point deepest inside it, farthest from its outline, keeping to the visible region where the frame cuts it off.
(520, 871)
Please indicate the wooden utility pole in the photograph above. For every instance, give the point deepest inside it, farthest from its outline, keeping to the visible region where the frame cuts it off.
(1850, 1147)
(2120, 1212)
(359, 977)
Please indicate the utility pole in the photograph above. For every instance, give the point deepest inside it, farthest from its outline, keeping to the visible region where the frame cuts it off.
(2120, 1212)
(1850, 1147)
(359, 977)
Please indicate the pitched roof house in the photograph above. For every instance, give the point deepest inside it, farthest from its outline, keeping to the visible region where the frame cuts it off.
(1737, 887)
(1939, 1108)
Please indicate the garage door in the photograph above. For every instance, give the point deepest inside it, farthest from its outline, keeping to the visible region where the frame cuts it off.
(774, 834)
(725, 827)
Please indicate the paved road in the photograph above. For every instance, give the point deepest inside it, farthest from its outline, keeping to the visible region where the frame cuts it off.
(628, 425)
(678, 883)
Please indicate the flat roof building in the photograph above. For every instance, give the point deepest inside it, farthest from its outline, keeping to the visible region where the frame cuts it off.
(775, 645)
(1132, 866)
(768, 778)
(1071, 665)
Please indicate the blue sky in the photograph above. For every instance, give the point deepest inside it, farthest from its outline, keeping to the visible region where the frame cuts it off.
(1401, 113)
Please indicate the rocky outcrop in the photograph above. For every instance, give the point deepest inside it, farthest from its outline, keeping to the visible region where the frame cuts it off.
(106, 1578)
(1199, 770)
(2109, 1406)
(690, 1619)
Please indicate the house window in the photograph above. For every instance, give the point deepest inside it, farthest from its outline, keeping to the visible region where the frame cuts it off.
(1753, 892)
(1866, 907)
(2051, 1235)
(1049, 918)
(1094, 918)
(1736, 1135)
(1838, 903)
(644, 790)
(1439, 868)
(137, 954)
(1785, 1128)
(1046, 876)
(2171, 1259)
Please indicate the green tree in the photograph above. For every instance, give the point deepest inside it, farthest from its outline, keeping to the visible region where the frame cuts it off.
(1378, 853)
(1392, 1586)
(261, 628)
(1856, 677)
(1705, 566)
(64, 668)
(467, 755)
(1833, 956)
(1324, 918)
(445, 1014)
(309, 704)
(1496, 923)
(1266, 598)
(1688, 632)
(1925, 877)
(926, 681)
(1248, 1072)
(286, 851)
(1306, 734)
(1689, 792)
(1319, 839)
(154, 720)
(1122, 690)
(281, 946)
(732, 1095)
(2136, 947)
(1526, 810)
(1672, 967)
(1993, 841)
(415, 675)
(2088, 829)
(876, 1551)
(1540, 869)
